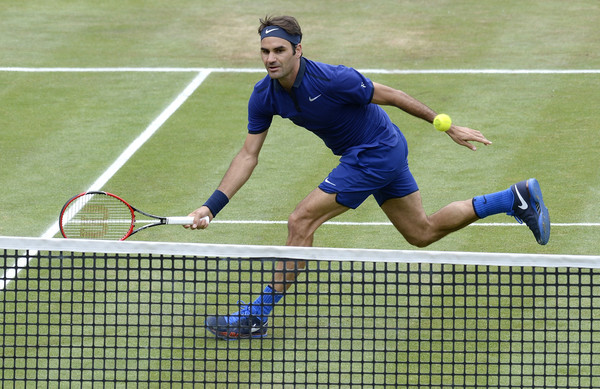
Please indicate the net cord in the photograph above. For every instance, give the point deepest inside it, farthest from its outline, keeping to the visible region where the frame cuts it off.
(305, 253)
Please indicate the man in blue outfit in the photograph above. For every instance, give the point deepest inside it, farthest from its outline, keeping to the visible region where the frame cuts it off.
(342, 107)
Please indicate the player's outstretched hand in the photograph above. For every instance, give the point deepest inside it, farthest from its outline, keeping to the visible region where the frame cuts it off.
(202, 217)
(464, 135)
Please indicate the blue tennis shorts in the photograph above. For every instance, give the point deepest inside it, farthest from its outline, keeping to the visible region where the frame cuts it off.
(378, 170)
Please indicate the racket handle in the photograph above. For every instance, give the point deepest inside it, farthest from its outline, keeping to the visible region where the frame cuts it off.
(183, 220)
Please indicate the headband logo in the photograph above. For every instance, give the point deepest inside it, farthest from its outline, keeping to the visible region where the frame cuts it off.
(268, 31)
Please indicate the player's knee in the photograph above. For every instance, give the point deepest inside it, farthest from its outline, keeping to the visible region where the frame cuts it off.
(419, 238)
(417, 242)
(296, 222)
(299, 224)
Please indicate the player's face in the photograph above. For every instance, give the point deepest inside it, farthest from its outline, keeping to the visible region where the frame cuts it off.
(281, 62)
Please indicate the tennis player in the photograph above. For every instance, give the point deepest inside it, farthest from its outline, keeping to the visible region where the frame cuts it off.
(342, 107)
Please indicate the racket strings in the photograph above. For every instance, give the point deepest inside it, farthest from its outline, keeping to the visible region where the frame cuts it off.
(97, 216)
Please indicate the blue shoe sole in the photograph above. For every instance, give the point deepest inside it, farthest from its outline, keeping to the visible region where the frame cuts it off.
(537, 201)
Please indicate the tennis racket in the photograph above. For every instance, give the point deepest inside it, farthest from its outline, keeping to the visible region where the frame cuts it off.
(102, 215)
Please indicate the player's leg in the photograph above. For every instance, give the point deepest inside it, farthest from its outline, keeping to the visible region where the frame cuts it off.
(523, 200)
(310, 214)
(408, 216)
(251, 321)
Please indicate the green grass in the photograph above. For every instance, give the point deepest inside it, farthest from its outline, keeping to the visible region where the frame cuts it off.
(60, 130)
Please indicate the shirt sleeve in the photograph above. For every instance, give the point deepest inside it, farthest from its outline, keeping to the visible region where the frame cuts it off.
(351, 87)
(259, 116)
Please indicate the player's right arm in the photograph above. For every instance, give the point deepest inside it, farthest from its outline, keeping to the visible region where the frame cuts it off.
(237, 175)
(243, 164)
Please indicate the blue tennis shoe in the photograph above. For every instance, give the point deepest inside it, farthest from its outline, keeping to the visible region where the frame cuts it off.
(528, 207)
(239, 325)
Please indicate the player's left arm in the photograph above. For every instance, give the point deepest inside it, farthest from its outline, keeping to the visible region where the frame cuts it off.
(385, 95)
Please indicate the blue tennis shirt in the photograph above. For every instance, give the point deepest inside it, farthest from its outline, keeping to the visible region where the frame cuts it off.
(334, 102)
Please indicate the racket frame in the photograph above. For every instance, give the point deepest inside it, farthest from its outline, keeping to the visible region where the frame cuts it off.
(158, 220)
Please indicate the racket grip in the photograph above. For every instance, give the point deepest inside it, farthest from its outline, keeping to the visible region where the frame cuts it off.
(183, 220)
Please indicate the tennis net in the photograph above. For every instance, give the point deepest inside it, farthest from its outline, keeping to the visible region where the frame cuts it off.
(131, 314)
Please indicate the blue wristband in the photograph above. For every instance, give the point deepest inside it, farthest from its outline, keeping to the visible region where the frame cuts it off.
(216, 202)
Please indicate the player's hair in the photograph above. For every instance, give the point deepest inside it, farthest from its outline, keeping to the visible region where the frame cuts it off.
(288, 23)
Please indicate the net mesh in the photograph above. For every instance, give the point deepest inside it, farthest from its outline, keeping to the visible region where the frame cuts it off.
(104, 319)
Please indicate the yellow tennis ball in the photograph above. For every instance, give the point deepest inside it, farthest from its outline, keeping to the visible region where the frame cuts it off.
(442, 122)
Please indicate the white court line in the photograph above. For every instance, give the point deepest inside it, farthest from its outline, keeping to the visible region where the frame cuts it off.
(22, 262)
(359, 224)
(262, 70)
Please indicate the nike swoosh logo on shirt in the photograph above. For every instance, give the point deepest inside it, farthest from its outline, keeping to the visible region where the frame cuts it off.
(523, 204)
(311, 99)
